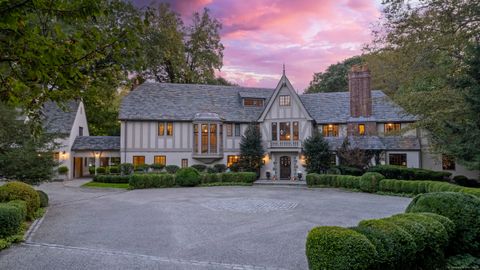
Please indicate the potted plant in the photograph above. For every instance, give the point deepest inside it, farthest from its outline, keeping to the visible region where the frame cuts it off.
(268, 174)
(62, 172)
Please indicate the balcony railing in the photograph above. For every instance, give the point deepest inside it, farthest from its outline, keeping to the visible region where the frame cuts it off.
(207, 155)
(285, 144)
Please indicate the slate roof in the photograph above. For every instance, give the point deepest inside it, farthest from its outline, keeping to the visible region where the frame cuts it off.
(58, 119)
(335, 108)
(376, 142)
(180, 102)
(96, 143)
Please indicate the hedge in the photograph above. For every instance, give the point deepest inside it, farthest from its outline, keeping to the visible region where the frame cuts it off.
(338, 248)
(211, 178)
(404, 173)
(21, 191)
(43, 198)
(101, 170)
(111, 178)
(171, 168)
(369, 181)
(10, 219)
(199, 167)
(239, 177)
(462, 209)
(138, 181)
(419, 187)
(333, 180)
(21, 206)
(113, 169)
(187, 177)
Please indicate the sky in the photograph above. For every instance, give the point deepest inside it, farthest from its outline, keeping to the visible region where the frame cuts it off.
(306, 35)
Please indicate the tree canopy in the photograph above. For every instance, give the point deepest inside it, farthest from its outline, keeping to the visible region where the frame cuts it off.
(317, 154)
(251, 149)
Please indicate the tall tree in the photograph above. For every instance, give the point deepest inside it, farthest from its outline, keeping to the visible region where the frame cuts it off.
(354, 156)
(334, 79)
(251, 149)
(317, 154)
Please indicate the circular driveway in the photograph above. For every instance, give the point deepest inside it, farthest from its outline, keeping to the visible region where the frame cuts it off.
(259, 227)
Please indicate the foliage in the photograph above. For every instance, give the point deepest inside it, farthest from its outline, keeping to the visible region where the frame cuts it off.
(138, 181)
(126, 168)
(317, 155)
(10, 219)
(463, 261)
(251, 149)
(113, 169)
(333, 180)
(462, 209)
(21, 206)
(345, 170)
(43, 198)
(199, 167)
(207, 178)
(219, 184)
(16, 238)
(464, 181)
(111, 178)
(157, 167)
(245, 177)
(330, 247)
(101, 170)
(91, 170)
(171, 168)
(400, 172)
(187, 177)
(334, 79)
(21, 191)
(220, 168)
(354, 156)
(369, 181)
(62, 170)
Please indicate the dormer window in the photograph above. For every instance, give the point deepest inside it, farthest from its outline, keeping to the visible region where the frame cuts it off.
(253, 102)
(330, 130)
(284, 100)
(391, 127)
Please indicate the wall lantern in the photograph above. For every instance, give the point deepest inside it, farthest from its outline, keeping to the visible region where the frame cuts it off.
(64, 154)
(97, 154)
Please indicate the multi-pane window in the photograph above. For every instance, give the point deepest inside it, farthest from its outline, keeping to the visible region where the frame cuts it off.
(274, 131)
(229, 128)
(138, 160)
(284, 131)
(361, 129)
(330, 130)
(448, 163)
(169, 129)
(104, 161)
(115, 160)
(253, 102)
(161, 128)
(195, 138)
(184, 163)
(232, 160)
(213, 138)
(237, 130)
(284, 100)
(397, 159)
(391, 127)
(295, 130)
(204, 138)
(160, 160)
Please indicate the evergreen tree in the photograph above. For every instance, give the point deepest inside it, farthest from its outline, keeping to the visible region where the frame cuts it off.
(251, 149)
(317, 156)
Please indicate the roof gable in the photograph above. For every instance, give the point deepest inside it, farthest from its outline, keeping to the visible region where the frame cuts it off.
(59, 118)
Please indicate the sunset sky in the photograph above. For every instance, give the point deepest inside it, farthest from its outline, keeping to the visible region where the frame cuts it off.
(307, 35)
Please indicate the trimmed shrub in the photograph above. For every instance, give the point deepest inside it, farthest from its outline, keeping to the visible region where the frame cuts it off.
(332, 180)
(171, 168)
(113, 170)
(244, 177)
(220, 168)
(138, 181)
(101, 170)
(395, 246)
(404, 173)
(21, 191)
(62, 170)
(462, 209)
(111, 178)
(211, 178)
(338, 248)
(369, 181)
(126, 168)
(43, 198)
(187, 177)
(344, 170)
(91, 170)
(141, 168)
(199, 167)
(10, 219)
(22, 207)
(464, 181)
(419, 187)
(157, 167)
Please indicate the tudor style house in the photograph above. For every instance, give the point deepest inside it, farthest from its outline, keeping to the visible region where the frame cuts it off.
(184, 124)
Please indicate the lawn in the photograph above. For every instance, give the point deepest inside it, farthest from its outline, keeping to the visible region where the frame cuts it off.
(92, 184)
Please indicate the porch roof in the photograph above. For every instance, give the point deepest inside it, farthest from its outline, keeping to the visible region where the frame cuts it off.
(376, 142)
(96, 143)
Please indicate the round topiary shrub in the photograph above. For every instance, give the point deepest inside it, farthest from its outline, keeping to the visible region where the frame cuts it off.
(338, 248)
(369, 181)
(21, 191)
(446, 222)
(43, 198)
(462, 209)
(199, 167)
(187, 177)
(101, 170)
(22, 207)
(62, 170)
(10, 219)
(171, 168)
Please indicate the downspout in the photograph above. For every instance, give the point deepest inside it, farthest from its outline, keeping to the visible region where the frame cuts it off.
(125, 144)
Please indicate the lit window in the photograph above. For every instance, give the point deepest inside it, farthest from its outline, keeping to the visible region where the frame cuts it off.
(138, 160)
(295, 131)
(195, 138)
(169, 129)
(391, 127)
(448, 163)
(284, 131)
(397, 159)
(160, 160)
(204, 138)
(330, 130)
(161, 128)
(274, 131)
(184, 163)
(56, 156)
(284, 100)
(237, 130)
(232, 160)
(361, 129)
(229, 130)
(253, 102)
(213, 138)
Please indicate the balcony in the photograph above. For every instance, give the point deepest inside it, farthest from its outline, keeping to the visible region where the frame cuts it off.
(285, 144)
(208, 157)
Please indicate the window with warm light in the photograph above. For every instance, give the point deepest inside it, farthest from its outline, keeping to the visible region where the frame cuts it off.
(138, 160)
(204, 138)
(195, 138)
(448, 163)
(160, 160)
(295, 130)
(330, 130)
(161, 128)
(397, 159)
(253, 102)
(207, 138)
(284, 100)
(213, 138)
(285, 131)
(169, 129)
(232, 160)
(391, 127)
(361, 129)
(56, 156)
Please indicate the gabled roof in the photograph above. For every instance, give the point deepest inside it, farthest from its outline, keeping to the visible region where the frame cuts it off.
(335, 108)
(96, 143)
(59, 119)
(376, 142)
(180, 102)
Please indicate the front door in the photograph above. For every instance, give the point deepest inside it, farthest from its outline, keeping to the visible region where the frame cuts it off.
(285, 167)
(78, 167)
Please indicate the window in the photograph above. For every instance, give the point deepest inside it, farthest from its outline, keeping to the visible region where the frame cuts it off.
(115, 160)
(213, 138)
(160, 160)
(204, 138)
(284, 131)
(229, 129)
(169, 129)
(391, 127)
(330, 130)
(333, 159)
(56, 156)
(237, 130)
(448, 163)
(80, 131)
(397, 159)
(104, 162)
(138, 160)
(361, 129)
(253, 102)
(295, 131)
(232, 160)
(274, 131)
(161, 128)
(184, 163)
(284, 100)
(195, 138)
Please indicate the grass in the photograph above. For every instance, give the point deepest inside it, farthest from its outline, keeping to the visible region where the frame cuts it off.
(92, 184)
(218, 184)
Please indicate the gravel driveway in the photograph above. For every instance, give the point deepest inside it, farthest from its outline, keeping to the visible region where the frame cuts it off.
(258, 227)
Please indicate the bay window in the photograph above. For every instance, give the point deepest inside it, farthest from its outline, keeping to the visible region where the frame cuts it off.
(284, 131)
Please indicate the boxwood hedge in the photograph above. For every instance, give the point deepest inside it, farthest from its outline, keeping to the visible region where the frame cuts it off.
(333, 180)
(43, 198)
(187, 177)
(369, 181)
(10, 219)
(111, 178)
(404, 173)
(138, 181)
(21, 191)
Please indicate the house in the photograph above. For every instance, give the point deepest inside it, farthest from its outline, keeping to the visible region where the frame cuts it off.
(186, 124)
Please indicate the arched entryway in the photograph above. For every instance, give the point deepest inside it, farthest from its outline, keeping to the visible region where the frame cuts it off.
(285, 167)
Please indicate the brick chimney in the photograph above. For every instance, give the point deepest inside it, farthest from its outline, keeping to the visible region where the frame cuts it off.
(360, 93)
